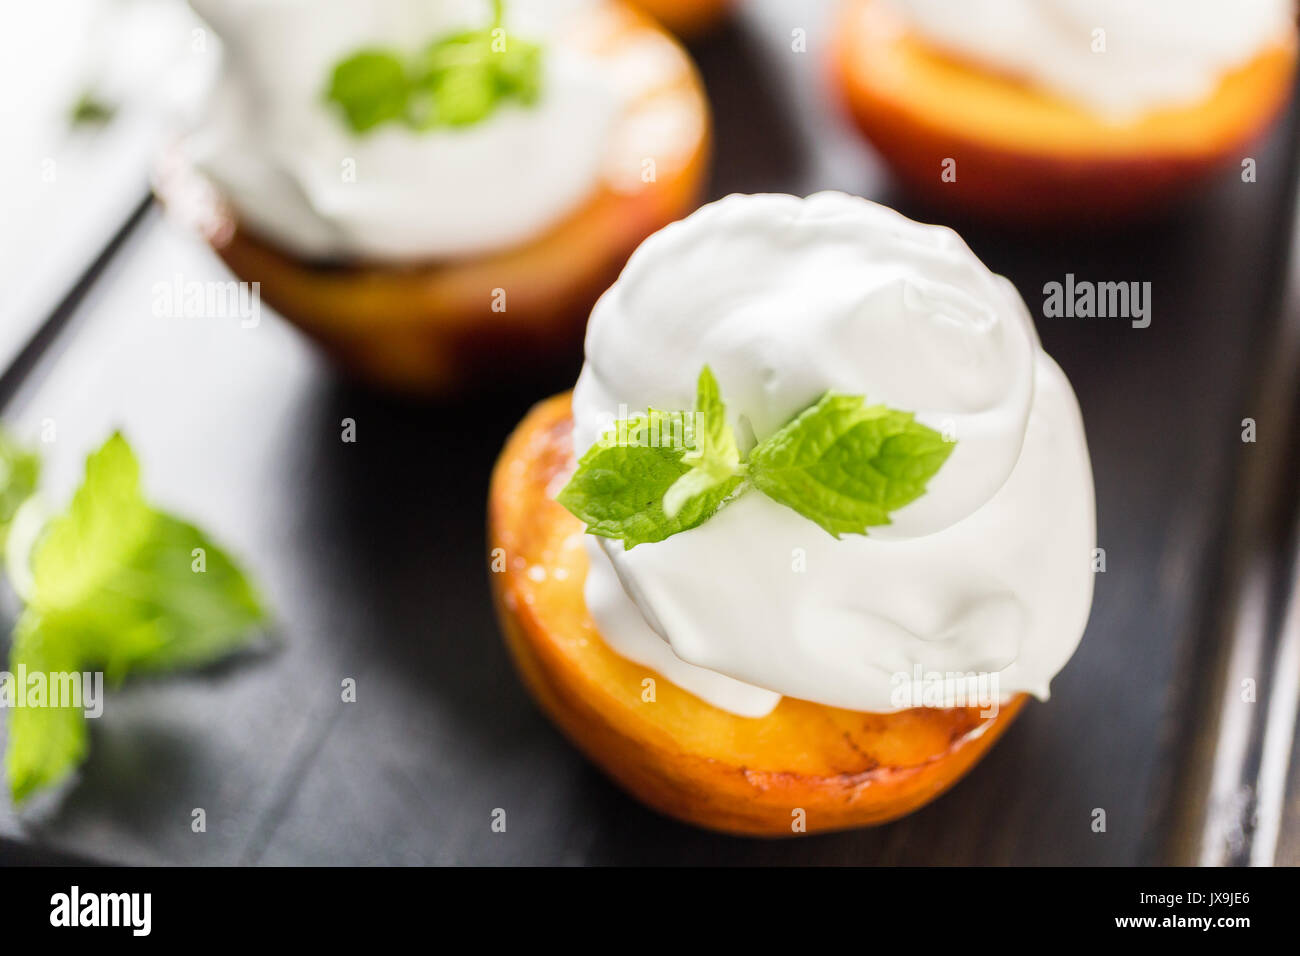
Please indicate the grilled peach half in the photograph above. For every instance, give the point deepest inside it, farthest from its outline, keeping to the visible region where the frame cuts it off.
(437, 327)
(1024, 156)
(802, 766)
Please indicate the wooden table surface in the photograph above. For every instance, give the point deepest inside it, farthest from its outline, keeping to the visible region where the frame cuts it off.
(373, 553)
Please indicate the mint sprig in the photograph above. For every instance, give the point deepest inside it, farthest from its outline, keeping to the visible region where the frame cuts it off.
(457, 80)
(846, 464)
(120, 587)
(841, 463)
(658, 474)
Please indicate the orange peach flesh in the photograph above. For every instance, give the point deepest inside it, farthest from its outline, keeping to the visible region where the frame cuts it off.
(443, 326)
(678, 754)
(1025, 155)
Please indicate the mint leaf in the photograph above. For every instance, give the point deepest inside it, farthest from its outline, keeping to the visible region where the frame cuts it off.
(618, 490)
(121, 587)
(19, 471)
(620, 484)
(45, 744)
(457, 80)
(90, 110)
(468, 75)
(106, 519)
(120, 577)
(846, 465)
(372, 88)
(466, 95)
(456, 51)
(715, 441)
(715, 459)
(519, 72)
(658, 474)
(150, 612)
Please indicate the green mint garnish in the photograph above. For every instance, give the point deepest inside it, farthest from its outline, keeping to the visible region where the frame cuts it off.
(45, 744)
(120, 587)
(90, 110)
(657, 474)
(19, 471)
(372, 88)
(714, 461)
(458, 80)
(842, 463)
(846, 464)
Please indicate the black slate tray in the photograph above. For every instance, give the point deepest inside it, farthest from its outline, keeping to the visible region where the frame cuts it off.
(373, 553)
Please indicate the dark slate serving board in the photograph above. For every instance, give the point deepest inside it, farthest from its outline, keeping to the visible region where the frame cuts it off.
(373, 553)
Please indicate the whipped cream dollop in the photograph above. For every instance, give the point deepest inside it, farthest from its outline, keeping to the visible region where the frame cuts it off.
(1157, 53)
(295, 172)
(989, 572)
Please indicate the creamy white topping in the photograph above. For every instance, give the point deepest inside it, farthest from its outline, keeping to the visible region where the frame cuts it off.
(1157, 53)
(295, 172)
(784, 298)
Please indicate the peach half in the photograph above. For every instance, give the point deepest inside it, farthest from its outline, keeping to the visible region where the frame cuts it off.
(826, 768)
(432, 327)
(1021, 155)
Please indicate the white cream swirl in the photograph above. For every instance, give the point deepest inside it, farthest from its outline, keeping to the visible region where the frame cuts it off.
(1148, 54)
(785, 298)
(295, 173)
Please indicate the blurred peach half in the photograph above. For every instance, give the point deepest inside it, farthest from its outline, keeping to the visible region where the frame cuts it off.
(431, 328)
(1027, 156)
(803, 765)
